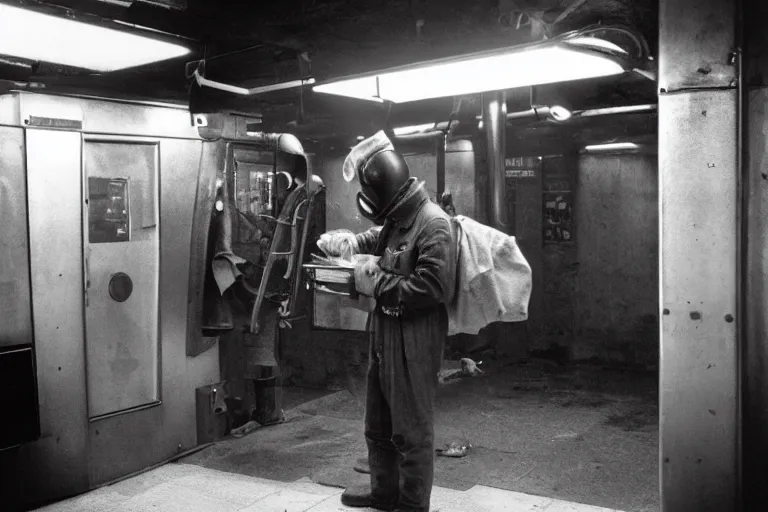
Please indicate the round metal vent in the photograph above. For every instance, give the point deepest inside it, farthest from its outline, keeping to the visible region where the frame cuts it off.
(120, 287)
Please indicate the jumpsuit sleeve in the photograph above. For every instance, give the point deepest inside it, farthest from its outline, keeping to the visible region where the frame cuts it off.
(433, 277)
(367, 240)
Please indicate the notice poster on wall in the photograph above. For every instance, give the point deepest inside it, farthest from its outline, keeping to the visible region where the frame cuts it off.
(558, 210)
(557, 202)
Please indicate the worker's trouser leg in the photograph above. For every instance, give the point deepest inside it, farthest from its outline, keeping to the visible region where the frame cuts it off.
(400, 421)
(383, 458)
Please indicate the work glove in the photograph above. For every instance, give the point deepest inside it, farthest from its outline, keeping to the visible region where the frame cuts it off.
(339, 243)
(367, 273)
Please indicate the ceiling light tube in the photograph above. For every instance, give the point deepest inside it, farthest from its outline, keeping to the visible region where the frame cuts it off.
(37, 36)
(509, 68)
(611, 147)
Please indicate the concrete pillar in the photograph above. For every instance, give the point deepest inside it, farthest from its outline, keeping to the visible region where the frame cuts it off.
(700, 235)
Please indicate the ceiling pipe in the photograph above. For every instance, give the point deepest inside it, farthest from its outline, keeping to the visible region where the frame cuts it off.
(428, 129)
(15, 63)
(560, 114)
(494, 121)
(418, 137)
(204, 82)
(629, 109)
(556, 113)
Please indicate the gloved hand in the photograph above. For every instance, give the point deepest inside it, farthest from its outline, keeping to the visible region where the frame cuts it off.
(339, 243)
(367, 272)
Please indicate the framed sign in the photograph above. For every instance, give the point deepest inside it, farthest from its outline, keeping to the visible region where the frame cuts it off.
(557, 202)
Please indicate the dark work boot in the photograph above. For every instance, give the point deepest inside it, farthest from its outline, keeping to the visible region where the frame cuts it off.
(360, 496)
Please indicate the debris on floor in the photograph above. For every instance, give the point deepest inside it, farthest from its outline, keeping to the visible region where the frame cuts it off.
(244, 429)
(454, 449)
(468, 368)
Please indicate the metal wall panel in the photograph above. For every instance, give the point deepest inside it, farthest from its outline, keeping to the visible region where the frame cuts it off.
(15, 306)
(73, 454)
(699, 251)
(212, 157)
(180, 161)
(121, 335)
(58, 460)
(129, 442)
(755, 350)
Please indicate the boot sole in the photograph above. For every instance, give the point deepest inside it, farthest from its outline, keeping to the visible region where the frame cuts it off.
(365, 504)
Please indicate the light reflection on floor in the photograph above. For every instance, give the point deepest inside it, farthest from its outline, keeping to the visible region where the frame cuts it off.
(189, 488)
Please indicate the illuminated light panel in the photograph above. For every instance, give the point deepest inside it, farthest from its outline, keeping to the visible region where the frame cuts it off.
(41, 37)
(596, 43)
(360, 88)
(616, 146)
(521, 67)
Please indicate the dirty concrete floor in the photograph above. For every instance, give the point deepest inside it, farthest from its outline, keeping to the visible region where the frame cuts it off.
(179, 487)
(580, 434)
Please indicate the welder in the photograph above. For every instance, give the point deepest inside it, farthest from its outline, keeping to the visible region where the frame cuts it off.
(411, 282)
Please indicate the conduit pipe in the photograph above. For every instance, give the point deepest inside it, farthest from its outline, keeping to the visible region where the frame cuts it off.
(495, 123)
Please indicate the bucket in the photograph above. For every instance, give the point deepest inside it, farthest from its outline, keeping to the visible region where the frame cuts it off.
(268, 394)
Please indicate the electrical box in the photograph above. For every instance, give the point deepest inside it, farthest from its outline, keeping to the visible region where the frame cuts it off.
(212, 417)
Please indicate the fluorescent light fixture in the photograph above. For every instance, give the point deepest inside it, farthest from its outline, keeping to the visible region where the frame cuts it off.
(629, 109)
(593, 42)
(409, 130)
(521, 66)
(615, 146)
(37, 36)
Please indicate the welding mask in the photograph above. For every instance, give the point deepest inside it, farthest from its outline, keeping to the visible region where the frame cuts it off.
(381, 178)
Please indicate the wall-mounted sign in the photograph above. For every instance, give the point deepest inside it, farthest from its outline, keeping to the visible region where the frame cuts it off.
(520, 173)
(521, 167)
(521, 162)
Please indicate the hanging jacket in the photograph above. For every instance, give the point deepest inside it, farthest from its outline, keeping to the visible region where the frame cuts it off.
(493, 278)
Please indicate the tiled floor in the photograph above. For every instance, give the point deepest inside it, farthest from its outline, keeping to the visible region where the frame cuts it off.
(180, 487)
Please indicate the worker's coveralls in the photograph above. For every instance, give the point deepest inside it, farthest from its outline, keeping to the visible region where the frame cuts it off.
(407, 334)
